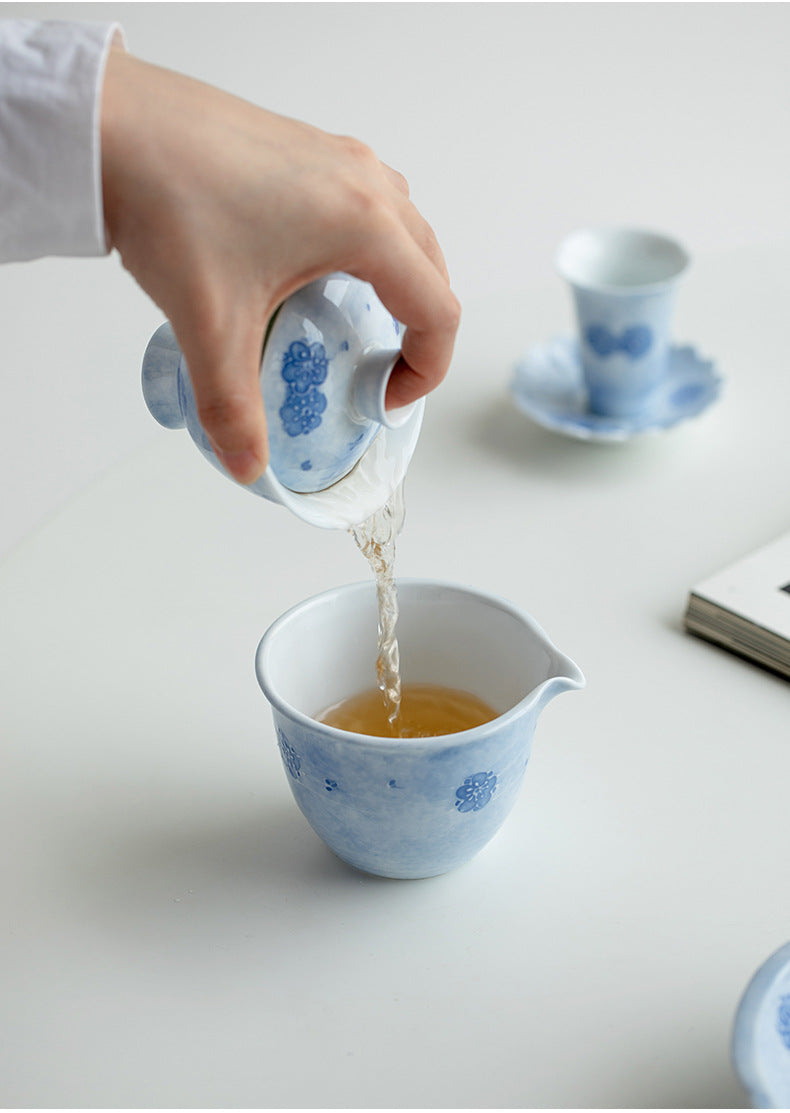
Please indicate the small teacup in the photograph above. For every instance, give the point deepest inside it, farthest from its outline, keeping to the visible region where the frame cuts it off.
(412, 807)
(623, 285)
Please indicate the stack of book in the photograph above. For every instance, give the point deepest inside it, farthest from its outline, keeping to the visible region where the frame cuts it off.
(746, 607)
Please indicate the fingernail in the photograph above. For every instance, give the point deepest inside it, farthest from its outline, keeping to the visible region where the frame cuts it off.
(243, 466)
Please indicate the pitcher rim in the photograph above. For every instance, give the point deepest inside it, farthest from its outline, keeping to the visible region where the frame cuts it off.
(568, 671)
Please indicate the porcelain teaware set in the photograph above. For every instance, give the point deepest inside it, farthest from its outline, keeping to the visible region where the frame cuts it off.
(336, 455)
(414, 808)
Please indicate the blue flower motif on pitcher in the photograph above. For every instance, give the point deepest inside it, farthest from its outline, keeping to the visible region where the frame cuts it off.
(305, 367)
(783, 1020)
(291, 760)
(475, 792)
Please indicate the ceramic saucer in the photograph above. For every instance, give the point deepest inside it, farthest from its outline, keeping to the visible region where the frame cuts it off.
(547, 386)
(761, 1034)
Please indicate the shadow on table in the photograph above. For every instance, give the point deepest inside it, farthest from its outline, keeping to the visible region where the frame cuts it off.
(153, 871)
(691, 1085)
(510, 437)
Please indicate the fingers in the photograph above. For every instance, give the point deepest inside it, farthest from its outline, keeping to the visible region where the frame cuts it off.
(400, 256)
(423, 235)
(418, 294)
(224, 372)
(290, 205)
(418, 227)
(396, 179)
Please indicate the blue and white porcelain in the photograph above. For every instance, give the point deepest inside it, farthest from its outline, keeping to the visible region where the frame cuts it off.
(413, 807)
(623, 284)
(336, 453)
(548, 385)
(761, 1034)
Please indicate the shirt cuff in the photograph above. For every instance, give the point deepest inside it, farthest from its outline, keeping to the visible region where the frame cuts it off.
(51, 76)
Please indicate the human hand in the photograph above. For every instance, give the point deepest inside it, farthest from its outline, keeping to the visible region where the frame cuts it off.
(221, 210)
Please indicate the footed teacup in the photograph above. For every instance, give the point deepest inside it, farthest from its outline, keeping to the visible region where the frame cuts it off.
(411, 807)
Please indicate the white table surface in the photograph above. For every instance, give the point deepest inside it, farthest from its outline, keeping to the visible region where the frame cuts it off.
(172, 932)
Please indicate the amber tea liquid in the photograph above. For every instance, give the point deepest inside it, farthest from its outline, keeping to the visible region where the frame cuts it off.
(425, 710)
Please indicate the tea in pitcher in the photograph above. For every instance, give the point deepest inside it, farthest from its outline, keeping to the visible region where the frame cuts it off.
(425, 711)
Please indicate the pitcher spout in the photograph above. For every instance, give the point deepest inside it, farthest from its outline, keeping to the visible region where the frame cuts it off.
(566, 677)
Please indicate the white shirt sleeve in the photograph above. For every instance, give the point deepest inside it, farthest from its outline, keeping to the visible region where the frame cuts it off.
(51, 76)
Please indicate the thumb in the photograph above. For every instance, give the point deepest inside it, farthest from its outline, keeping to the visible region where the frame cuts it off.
(225, 371)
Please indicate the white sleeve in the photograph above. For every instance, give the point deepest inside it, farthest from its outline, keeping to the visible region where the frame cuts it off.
(51, 76)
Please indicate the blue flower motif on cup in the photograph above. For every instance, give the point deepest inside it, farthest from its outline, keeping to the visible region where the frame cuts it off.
(305, 367)
(291, 760)
(783, 1020)
(330, 785)
(633, 342)
(475, 792)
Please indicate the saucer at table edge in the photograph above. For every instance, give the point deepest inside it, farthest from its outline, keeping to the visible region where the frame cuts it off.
(548, 387)
(761, 1034)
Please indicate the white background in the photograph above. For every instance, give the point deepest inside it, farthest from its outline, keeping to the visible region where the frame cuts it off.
(173, 934)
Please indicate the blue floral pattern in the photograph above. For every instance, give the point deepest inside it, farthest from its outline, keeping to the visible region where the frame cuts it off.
(305, 367)
(633, 342)
(783, 1020)
(475, 792)
(291, 760)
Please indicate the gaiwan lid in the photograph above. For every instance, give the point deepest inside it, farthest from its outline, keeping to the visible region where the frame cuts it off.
(336, 454)
(328, 356)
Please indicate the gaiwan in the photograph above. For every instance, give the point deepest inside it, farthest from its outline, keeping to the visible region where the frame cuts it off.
(336, 454)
